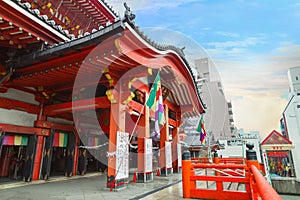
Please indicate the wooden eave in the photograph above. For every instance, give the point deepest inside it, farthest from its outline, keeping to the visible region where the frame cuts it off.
(22, 21)
(90, 55)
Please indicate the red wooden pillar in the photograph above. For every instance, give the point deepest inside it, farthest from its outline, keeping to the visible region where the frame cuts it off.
(175, 153)
(38, 157)
(39, 147)
(143, 134)
(76, 155)
(164, 137)
(117, 123)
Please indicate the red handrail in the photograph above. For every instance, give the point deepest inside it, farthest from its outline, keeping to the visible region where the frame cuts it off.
(266, 191)
(219, 166)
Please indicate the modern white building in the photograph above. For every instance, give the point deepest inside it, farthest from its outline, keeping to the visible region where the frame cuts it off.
(290, 121)
(235, 147)
(219, 116)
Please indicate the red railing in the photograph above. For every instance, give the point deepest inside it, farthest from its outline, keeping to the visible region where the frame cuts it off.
(200, 160)
(265, 190)
(232, 160)
(225, 179)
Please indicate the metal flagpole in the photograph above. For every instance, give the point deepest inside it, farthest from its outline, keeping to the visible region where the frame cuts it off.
(135, 125)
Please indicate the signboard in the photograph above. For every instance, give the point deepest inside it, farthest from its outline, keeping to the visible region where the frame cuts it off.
(148, 155)
(266, 165)
(168, 152)
(179, 155)
(122, 156)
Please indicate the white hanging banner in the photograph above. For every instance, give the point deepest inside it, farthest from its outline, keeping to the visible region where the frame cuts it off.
(122, 156)
(148, 155)
(168, 153)
(179, 155)
(266, 165)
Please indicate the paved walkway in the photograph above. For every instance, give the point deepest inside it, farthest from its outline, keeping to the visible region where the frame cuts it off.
(92, 186)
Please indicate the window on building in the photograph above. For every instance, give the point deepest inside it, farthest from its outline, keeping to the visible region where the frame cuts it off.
(297, 78)
(298, 106)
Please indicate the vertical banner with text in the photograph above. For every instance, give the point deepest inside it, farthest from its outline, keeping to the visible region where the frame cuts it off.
(179, 155)
(168, 151)
(266, 165)
(122, 155)
(148, 155)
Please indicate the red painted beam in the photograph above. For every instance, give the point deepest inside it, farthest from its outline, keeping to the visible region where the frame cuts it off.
(18, 105)
(80, 105)
(171, 106)
(136, 106)
(172, 122)
(51, 125)
(219, 166)
(24, 129)
(104, 10)
(220, 178)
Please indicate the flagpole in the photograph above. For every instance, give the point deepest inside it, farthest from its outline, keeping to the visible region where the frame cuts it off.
(135, 125)
(131, 135)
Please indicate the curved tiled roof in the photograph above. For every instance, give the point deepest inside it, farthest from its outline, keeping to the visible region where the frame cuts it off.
(44, 18)
(98, 35)
(109, 7)
(179, 51)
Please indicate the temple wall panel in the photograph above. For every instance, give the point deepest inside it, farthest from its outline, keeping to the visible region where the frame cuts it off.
(20, 96)
(15, 117)
(59, 121)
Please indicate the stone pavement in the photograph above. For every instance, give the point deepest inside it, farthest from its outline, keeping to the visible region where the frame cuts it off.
(91, 186)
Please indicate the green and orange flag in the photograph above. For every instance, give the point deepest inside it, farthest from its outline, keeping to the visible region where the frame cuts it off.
(155, 103)
(201, 129)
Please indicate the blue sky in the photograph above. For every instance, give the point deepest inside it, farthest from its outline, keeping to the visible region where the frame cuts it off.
(253, 43)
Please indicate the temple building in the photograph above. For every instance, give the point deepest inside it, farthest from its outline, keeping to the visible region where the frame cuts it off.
(290, 120)
(76, 84)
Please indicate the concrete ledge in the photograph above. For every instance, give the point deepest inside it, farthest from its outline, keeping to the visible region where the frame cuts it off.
(286, 185)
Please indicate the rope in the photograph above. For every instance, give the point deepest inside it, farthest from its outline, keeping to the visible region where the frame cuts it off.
(133, 147)
(94, 147)
(131, 135)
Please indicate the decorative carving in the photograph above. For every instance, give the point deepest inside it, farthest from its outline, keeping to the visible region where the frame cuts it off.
(129, 16)
(110, 96)
(129, 98)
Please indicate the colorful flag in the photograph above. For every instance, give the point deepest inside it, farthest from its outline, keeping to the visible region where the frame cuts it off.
(17, 140)
(94, 141)
(201, 130)
(60, 139)
(155, 103)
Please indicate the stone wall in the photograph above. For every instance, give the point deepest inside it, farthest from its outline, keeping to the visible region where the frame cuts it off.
(286, 185)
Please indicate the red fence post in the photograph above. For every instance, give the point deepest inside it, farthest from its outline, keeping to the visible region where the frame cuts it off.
(217, 161)
(186, 172)
(251, 156)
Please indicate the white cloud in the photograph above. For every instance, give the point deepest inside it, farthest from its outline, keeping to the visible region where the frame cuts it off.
(233, 53)
(250, 41)
(287, 48)
(227, 34)
(256, 88)
(297, 4)
(258, 112)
